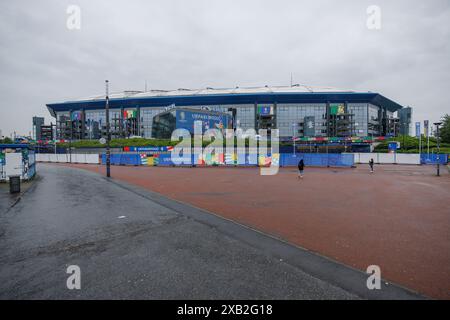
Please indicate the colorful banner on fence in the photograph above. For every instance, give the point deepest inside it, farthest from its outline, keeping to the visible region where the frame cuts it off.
(148, 149)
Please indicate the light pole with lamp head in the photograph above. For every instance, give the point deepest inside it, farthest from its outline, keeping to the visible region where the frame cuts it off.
(437, 124)
(108, 135)
(293, 137)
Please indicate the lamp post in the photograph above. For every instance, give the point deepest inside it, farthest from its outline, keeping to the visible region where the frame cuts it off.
(70, 139)
(437, 124)
(404, 133)
(293, 137)
(108, 135)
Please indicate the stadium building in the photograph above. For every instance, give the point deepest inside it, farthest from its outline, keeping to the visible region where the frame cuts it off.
(298, 110)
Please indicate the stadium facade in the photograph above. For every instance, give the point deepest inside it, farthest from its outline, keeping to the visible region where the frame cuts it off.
(298, 110)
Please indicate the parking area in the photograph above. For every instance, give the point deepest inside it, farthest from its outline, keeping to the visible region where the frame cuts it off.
(397, 218)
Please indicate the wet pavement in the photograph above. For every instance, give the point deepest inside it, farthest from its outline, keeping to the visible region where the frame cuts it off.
(397, 218)
(8, 200)
(132, 243)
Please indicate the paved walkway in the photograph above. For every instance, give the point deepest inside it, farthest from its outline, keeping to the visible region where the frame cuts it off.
(131, 243)
(397, 218)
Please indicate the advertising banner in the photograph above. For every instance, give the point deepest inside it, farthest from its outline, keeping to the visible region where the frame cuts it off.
(265, 110)
(148, 149)
(417, 129)
(209, 120)
(336, 109)
(309, 126)
(129, 114)
(76, 116)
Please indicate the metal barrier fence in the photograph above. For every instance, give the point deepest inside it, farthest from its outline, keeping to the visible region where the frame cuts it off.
(317, 159)
(400, 158)
(426, 158)
(68, 158)
(251, 159)
(123, 159)
(388, 158)
(283, 159)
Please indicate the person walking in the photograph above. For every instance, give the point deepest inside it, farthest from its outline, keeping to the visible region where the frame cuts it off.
(371, 165)
(301, 167)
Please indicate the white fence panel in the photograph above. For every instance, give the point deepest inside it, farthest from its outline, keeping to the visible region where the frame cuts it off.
(406, 158)
(365, 157)
(62, 158)
(78, 158)
(42, 157)
(92, 158)
(387, 158)
(53, 158)
(65, 158)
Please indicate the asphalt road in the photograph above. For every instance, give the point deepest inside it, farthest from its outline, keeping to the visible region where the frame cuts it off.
(133, 244)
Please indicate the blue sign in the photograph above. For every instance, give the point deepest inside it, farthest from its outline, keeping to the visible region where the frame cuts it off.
(392, 146)
(417, 129)
(209, 120)
(265, 110)
(146, 149)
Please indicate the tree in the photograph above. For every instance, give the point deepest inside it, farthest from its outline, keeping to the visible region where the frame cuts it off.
(445, 129)
(7, 140)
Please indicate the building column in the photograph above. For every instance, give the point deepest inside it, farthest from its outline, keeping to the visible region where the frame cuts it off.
(138, 121)
(255, 110)
(328, 119)
(83, 123)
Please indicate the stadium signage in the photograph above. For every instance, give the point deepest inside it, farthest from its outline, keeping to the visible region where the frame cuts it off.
(147, 149)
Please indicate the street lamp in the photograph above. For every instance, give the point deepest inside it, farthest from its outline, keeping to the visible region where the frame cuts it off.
(293, 137)
(437, 124)
(404, 134)
(108, 136)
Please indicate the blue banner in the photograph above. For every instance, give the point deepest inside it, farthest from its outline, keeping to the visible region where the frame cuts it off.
(417, 129)
(392, 146)
(147, 149)
(210, 120)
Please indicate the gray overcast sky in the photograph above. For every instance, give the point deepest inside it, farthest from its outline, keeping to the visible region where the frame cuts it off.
(195, 44)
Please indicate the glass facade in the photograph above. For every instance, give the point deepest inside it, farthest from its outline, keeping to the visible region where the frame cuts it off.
(164, 125)
(359, 111)
(245, 116)
(365, 119)
(147, 115)
(373, 123)
(290, 118)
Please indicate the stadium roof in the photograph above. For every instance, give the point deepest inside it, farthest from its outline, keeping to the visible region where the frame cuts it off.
(239, 95)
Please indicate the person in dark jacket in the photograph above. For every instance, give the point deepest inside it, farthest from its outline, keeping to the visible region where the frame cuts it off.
(371, 165)
(301, 167)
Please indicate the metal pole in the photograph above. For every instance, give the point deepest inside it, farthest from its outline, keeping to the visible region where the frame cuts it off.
(404, 134)
(293, 137)
(70, 140)
(420, 144)
(437, 144)
(108, 135)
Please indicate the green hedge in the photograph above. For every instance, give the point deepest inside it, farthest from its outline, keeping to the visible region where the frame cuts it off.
(411, 144)
(135, 142)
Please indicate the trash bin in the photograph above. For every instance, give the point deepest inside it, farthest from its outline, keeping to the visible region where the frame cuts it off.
(14, 184)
